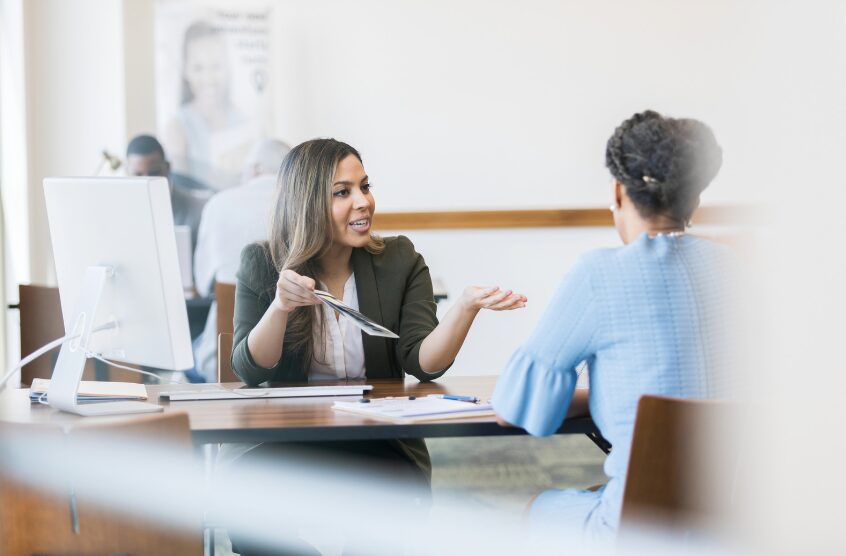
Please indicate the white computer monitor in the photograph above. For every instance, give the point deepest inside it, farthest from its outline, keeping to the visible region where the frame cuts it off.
(117, 267)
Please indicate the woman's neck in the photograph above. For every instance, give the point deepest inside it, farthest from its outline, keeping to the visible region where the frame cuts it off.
(663, 225)
(335, 265)
(637, 225)
(631, 225)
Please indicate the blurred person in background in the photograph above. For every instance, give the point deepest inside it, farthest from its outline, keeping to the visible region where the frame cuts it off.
(145, 156)
(231, 220)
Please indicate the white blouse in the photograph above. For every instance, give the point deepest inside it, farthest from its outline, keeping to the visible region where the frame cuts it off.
(342, 353)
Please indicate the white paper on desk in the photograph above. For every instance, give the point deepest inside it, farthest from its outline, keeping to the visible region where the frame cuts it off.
(356, 318)
(404, 410)
(98, 389)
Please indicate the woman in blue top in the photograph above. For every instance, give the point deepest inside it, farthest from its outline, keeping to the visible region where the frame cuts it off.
(646, 317)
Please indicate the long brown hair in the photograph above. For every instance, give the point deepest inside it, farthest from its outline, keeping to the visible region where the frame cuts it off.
(301, 226)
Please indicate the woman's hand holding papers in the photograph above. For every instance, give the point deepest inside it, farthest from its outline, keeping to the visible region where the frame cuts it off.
(475, 298)
(266, 339)
(294, 290)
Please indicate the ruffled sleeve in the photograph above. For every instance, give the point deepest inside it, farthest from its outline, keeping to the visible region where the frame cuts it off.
(533, 395)
(536, 387)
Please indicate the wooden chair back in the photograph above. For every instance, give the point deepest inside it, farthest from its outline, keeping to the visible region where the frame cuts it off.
(41, 323)
(40, 309)
(224, 295)
(674, 481)
(64, 521)
(224, 361)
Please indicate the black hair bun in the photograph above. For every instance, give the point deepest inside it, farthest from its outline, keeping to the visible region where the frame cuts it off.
(664, 163)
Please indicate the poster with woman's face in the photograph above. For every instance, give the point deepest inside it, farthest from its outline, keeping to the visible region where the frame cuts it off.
(212, 97)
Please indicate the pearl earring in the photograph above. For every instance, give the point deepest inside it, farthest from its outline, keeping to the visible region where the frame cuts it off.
(612, 207)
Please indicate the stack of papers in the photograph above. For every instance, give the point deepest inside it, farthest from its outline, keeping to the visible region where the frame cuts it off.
(356, 318)
(405, 410)
(90, 391)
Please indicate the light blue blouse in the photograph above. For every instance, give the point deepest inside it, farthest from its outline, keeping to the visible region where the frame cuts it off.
(648, 318)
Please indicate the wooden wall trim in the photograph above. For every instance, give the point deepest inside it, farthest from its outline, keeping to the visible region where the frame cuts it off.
(550, 218)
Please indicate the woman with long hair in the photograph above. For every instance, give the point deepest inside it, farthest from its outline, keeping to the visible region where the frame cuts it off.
(320, 238)
(648, 317)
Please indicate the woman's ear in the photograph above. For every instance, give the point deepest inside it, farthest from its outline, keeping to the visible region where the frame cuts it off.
(618, 194)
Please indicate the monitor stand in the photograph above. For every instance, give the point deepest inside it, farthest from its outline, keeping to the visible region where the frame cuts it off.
(67, 374)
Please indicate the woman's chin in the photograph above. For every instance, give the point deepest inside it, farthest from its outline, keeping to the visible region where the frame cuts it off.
(357, 240)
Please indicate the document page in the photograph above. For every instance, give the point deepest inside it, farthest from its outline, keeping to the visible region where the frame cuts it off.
(356, 318)
(411, 410)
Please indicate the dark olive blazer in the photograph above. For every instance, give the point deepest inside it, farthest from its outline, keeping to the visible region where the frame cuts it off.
(394, 289)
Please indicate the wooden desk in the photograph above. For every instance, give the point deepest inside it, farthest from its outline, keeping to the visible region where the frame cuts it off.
(305, 419)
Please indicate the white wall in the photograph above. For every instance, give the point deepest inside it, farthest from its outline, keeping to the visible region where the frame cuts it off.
(139, 70)
(75, 101)
(530, 261)
(13, 151)
(502, 104)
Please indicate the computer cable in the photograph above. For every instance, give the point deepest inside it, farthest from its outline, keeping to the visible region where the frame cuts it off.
(34, 355)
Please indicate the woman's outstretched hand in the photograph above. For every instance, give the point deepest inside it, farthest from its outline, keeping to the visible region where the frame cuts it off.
(477, 297)
(441, 346)
(294, 290)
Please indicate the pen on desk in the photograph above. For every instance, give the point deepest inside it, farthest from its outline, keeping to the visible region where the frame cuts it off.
(473, 399)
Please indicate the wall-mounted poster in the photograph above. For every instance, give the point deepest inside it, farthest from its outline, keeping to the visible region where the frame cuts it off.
(212, 95)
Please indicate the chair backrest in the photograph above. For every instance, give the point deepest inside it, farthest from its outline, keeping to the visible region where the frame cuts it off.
(677, 468)
(64, 521)
(224, 361)
(224, 295)
(41, 322)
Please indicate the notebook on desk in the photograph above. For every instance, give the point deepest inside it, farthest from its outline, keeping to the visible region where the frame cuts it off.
(220, 393)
